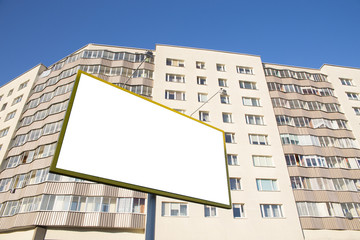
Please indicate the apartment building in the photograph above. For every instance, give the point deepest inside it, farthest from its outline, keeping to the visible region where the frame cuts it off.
(320, 146)
(291, 140)
(13, 97)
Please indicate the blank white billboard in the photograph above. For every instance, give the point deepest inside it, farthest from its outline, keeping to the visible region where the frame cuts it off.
(116, 137)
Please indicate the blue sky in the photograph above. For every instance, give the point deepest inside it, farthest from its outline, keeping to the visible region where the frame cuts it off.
(301, 33)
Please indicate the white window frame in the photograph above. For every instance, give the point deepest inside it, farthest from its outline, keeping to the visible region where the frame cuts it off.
(23, 85)
(261, 185)
(4, 132)
(174, 206)
(229, 136)
(272, 208)
(225, 99)
(10, 115)
(173, 95)
(200, 65)
(220, 67)
(202, 97)
(356, 110)
(204, 116)
(248, 85)
(254, 119)
(262, 161)
(252, 102)
(210, 211)
(352, 96)
(258, 139)
(227, 117)
(346, 82)
(235, 184)
(175, 62)
(232, 159)
(245, 70)
(222, 82)
(238, 208)
(201, 80)
(17, 99)
(175, 78)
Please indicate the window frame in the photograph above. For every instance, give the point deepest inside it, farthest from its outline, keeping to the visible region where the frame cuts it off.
(232, 159)
(169, 93)
(239, 210)
(248, 85)
(204, 116)
(175, 62)
(200, 65)
(271, 206)
(222, 80)
(254, 119)
(227, 116)
(171, 209)
(245, 70)
(220, 67)
(230, 137)
(258, 139)
(201, 80)
(262, 182)
(255, 102)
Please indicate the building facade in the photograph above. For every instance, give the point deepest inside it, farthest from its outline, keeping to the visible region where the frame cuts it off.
(292, 140)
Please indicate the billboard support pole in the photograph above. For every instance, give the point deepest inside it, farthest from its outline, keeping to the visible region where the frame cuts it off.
(150, 217)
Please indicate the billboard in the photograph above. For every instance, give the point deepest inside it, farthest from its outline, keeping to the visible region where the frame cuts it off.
(116, 137)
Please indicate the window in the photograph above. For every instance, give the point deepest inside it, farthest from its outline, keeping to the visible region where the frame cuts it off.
(238, 210)
(256, 139)
(210, 211)
(232, 159)
(174, 62)
(18, 99)
(255, 102)
(204, 116)
(357, 110)
(10, 92)
(254, 119)
(174, 209)
(352, 96)
(1, 96)
(174, 95)
(10, 115)
(230, 137)
(224, 99)
(247, 85)
(266, 184)
(4, 132)
(180, 110)
(262, 161)
(175, 78)
(244, 70)
(346, 82)
(200, 65)
(222, 82)
(227, 117)
(202, 97)
(220, 67)
(201, 80)
(235, 183)
(23, 85)
(3, 107)
(271, 211)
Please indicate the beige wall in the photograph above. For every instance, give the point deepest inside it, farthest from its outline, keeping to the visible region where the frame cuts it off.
(29, 76)
(224, 226)
(334, 74)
